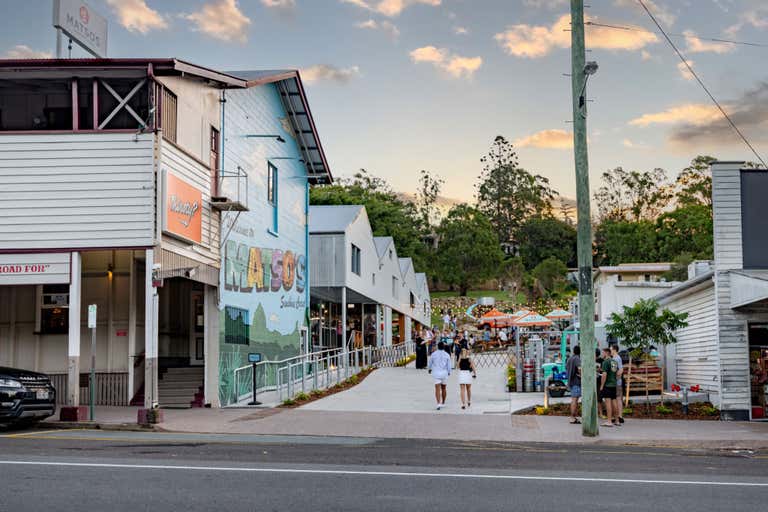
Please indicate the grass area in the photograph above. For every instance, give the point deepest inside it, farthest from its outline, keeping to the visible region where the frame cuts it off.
(496, 294)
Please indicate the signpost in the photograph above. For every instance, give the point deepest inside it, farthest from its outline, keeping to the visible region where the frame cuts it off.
(253, 358)
(92, 378)
(81, 24)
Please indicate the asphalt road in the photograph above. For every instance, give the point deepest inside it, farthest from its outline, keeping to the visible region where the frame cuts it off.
(116, 471)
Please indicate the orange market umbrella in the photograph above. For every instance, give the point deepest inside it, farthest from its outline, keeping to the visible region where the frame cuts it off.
(496, 318)
(533, 319)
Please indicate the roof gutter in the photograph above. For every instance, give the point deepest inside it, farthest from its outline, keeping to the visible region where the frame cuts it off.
(686, 288)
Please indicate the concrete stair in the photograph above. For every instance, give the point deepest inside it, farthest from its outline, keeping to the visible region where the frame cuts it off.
(181, 387)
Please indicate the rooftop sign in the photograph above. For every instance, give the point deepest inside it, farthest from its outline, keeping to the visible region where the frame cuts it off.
(82, 24)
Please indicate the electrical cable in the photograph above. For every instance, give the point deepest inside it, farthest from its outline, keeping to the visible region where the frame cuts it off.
(693, 73)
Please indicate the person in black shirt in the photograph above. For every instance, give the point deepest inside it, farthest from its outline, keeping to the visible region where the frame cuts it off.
(466, 374)
(573, 373)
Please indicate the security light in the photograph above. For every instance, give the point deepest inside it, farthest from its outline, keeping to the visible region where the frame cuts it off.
(590, 68)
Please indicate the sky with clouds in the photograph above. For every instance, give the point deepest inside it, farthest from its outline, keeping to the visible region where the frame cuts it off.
(402, 85)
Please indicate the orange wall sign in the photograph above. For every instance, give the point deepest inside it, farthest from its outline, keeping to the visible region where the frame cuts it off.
(183, 209)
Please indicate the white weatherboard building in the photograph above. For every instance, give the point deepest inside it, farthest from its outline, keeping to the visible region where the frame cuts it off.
(119, 188)
(724, 349)
(624, 284)
(359, 282)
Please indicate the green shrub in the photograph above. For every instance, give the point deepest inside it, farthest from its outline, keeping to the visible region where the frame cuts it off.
(289, 401)
(663, 409)
(627, 411)
(301, 397)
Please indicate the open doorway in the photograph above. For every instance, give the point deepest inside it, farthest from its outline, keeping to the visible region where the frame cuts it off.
(758, 370)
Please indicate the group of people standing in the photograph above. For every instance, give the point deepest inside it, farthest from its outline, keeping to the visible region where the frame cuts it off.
(437, 358)
(609, 369)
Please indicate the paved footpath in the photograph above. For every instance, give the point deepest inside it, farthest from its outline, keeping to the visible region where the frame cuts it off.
(399, 403)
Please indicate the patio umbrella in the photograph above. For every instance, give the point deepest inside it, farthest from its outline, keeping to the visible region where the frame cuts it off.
(533, 319)
(559, 314)
(520, 313)
(496, 318)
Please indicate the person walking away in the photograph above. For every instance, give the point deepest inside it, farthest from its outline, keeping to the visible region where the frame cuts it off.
(458, 346)
(608, 388)
(503, 336)
(421, 351)
(440, 368)
(467, 372)
(619, 382)
(446, 320)
(573, 374)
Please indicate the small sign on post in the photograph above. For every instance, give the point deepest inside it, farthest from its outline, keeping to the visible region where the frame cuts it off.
(253, 358)
(92, 379)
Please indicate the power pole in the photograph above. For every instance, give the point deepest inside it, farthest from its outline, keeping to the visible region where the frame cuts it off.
(579, 75)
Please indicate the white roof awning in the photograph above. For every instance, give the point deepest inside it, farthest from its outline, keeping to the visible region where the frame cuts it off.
(748, 287)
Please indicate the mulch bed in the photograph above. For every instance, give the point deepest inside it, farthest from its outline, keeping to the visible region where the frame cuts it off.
(344, 385)
(698, 411)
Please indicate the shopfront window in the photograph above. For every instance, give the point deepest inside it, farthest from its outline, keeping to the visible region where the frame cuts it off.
(54, 309)
(236, 326)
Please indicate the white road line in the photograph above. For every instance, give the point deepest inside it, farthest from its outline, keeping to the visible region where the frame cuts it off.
(381, 473)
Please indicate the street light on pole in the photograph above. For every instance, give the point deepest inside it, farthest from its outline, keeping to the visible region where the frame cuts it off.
(580, 71)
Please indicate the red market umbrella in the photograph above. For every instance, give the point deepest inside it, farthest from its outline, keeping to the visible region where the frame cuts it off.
(533, 319)
(496, 318)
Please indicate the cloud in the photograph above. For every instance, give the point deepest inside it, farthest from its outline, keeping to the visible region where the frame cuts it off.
(21, 51)
(534, 41)
(547, 139)
(696, 45)
(659, 10)
(328, 73)
(221, 19)
(385, 26)
(646, 55)
(633, 145)
(684, 71)
(749, 112)
(549, 4)
(455, 65)
(461, 31)
(756, 18)
(390, 8)
(137, 16)
(696, 114)
(285, 5)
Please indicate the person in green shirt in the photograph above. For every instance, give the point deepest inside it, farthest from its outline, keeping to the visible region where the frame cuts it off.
(608, 388)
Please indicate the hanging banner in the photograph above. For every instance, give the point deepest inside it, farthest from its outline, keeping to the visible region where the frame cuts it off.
(43, 268)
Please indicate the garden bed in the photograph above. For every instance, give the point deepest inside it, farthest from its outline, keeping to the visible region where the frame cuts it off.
(317, 394)
(665, 411)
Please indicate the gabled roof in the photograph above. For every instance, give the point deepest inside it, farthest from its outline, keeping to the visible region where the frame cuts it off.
(382, 244)
(405, 263)
(332, 219)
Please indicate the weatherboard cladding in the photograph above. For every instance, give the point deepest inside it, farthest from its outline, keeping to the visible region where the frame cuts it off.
(177, 162)
(76, 191)
(731, 324)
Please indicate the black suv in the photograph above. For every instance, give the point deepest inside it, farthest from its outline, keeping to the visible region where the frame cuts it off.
(25, 397)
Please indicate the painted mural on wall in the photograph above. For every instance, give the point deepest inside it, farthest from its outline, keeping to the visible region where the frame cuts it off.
(263, 284)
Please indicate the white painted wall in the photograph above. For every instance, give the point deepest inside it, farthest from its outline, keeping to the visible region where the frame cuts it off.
(76, 190)
(615, 294)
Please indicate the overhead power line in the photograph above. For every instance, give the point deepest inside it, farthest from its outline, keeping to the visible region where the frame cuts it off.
(693, 73)
(712, 39)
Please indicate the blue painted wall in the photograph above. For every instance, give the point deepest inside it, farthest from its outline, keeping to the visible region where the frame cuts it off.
(264, 274)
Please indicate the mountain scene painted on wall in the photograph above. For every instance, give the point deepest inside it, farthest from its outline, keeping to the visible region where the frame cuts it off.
(238, 339)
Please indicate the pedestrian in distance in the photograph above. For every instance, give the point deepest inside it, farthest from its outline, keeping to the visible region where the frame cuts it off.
(598, 374)
(573, 375)
(440, 367)
(619, 405)
(467, 372)
(421, 351)
(608, 389)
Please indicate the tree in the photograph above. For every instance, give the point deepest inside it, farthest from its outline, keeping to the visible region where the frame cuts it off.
(469, 248)
(508, 194)
(641, 327)
(550, 273)
(686, 230)
(426, 197)
(388, 214)
(694, 183)
(632, 195)
(679, 270)
(625, 242)
(544, 237)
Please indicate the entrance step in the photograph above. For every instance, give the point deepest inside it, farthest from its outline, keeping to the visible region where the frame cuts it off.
(181, 387)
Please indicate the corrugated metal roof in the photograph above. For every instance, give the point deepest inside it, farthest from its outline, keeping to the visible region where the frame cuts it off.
(332, 218)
